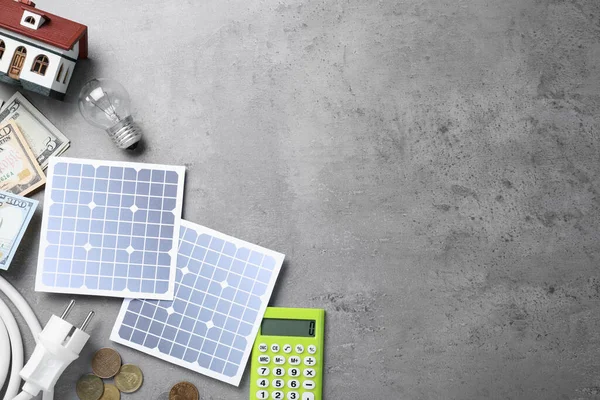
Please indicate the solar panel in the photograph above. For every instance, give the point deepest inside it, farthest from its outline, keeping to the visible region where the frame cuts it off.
(223, 286)
(110, 228)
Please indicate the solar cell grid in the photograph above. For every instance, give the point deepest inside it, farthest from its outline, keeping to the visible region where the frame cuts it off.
(110, 229)
(223, 286)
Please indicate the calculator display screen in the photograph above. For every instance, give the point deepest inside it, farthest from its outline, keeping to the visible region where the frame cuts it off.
(288, 327)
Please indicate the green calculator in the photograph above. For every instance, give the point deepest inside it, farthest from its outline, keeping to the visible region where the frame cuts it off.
(287, 358)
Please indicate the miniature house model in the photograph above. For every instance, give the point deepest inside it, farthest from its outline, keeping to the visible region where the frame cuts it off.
(38, 50)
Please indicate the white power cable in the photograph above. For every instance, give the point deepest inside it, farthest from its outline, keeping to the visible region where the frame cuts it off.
(4, 349)
(11, 340)
(24, 396)
(57, 346)
(16, 349)
(22, 305)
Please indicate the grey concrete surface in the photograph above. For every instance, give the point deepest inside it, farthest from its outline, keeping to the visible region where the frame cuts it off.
(430, 169)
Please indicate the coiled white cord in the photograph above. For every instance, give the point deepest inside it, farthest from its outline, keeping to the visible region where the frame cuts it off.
(16, 350)
(57, 346)
(4, 351)
(11, 341)
(24, 396)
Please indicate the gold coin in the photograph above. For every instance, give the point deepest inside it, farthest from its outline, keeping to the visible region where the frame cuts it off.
(106, 363)
(110, 392)
(89, 387)
(129, 379)
(184, 391)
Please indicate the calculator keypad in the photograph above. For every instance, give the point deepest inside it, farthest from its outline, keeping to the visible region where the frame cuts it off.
(286, 372)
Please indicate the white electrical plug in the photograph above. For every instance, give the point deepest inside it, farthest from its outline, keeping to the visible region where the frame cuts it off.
(58, 345)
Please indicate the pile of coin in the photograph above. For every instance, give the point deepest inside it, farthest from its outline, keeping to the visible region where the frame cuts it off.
(128, 378)
(106, 364)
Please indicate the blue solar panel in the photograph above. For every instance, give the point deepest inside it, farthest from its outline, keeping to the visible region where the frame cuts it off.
(110, 228)
(222, 289)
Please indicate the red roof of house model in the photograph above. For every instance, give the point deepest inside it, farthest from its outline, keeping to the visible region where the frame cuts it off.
(56, 31)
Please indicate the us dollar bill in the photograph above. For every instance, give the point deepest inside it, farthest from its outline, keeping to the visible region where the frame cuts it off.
(20, 172)
(44, 139)
(15, 214)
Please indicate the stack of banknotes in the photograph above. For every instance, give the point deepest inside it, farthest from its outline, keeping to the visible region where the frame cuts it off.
(27, 141)
(15, 214)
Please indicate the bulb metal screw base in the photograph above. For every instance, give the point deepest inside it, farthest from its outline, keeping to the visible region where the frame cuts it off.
(126, 134)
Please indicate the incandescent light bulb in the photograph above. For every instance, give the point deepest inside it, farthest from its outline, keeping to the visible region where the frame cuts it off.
(104, 103)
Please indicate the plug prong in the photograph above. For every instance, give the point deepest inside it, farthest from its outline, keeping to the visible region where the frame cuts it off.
(65, 313)
(87, 320)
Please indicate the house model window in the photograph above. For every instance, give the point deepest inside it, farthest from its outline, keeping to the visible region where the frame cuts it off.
(32, 20)
(40, 65)
(59, 75)
(2, 48)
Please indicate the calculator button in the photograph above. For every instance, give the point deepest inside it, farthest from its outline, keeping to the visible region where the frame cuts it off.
(309, 373)
(299, 349)
(262, 394)
(294, 360)
(263, 371)
(310, 361)
(278, 371)
(310, 385)
(294, 372)
(293, 384)
(263, 383)
(308, 396)
(279, 360)
(312, 349)
(264, 359)
(275, 348)
(278, 383)
(293, 396)
(287, 348)
(277, 395)
(263, 347)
